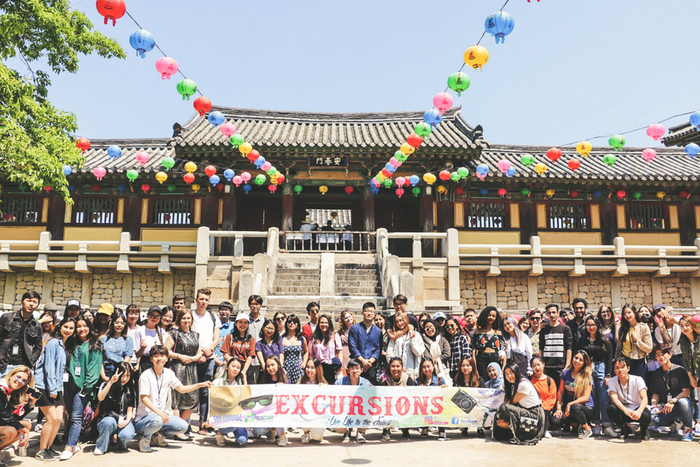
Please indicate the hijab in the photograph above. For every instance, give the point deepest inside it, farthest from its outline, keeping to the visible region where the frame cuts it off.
(498, 382)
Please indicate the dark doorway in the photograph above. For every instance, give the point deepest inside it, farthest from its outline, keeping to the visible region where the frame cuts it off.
(398, 215)
(258, 212)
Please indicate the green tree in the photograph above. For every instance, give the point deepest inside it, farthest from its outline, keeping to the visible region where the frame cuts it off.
(36, 139)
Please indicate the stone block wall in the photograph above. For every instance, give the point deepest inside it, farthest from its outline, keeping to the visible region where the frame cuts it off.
(511, 291)
(675, 290)
(28, 280)
(183, 283)
(66, 285)
(595, 288)
(107, 286)
(472, 289)
(553, 287)
(147, 287)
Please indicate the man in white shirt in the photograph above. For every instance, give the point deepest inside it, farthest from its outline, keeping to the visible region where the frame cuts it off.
(154, 416)
(628, 394)
(207, 325)
(257, 320)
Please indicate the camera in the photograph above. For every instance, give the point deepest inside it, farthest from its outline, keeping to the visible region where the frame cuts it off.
(464, 401)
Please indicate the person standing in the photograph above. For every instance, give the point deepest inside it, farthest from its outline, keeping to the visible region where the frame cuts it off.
(313, 309)
(207, 325)
(628, 396)
(634, 340)
(576, 324)
(668, 332)
(256, 321)
(690, 344)
(179, 304)
(20, 335)
(225, 310)
(488, 344)
(555, 344)
(469, 322)
(599, 348)
(364, 342)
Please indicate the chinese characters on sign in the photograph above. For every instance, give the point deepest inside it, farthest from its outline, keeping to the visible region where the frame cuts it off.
(328, 161)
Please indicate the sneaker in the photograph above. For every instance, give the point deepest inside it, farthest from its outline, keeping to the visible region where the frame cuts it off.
(442, 436)
(424, 432)
(270, 437)
(305, 438)
(53, 451)
(231, 435)
(38, 427)
(205, 430)
(597, 430)
(45, 455)
(282, 442)
(158, 441)
(386, 435)
(585, 433)
(144, 444)
(687, 435)
(547, 434)
(611, 433)
(465, 431)
(626, 431)
(360, 438)
(480, 432)
(97, 452)
(696, 433)
(65, 455)
(346, 437)
(182, 437)
(220, 440)
(644, 435)
(405, 434)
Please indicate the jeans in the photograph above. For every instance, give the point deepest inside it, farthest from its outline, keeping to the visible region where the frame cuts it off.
(151, 424)
(205, 372)
(75, 404)
(554, 373)
(619, 418)
(601, 398)
(240, 433)
(551, 423)
(107, 427)
(579, 413)
(638, 367)
(683, 410)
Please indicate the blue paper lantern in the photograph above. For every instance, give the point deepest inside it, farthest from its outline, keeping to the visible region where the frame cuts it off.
(692, 150)
(484, 191)
(216, 118)
(432, 117)
(229, 174)
(414, 180)
(510, 172)
(247, 188)
(214, 180)
(121, 188)
(695, 119)
(114, 151)
(259, 161)
(389, 168)
(482, 169)
(597, 193)
(67, 170)
(71, 188)
(499, 25)
(142, 41)
(374, 190)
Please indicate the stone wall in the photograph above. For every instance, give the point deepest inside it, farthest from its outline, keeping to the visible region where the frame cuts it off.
(472, 289)
(553, 287)
(183, 283)
(66, 285)
(595, 288)
(28, 279)
(147, 287)
(511, 291)
(107, 286)
(675, 291)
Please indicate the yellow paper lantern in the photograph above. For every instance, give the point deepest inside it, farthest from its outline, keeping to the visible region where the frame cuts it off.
(540, 168)
(661, 195)
(190, 167)
(195, 187)
(381, 176)
(441, 189)
(476, 56)
(161, 177)
(245, 148)
(550, 192)
(429, 178)
(584, 148)
(323, 189)
(407, 149)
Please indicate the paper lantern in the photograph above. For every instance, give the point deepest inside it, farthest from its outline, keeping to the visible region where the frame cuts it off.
(502, 192)
(171, 188)
(443, 102)
(414, 180)
(499, 25)
(374, 190)
(82, 143)
(414, 140)
(168, 162)
(423, 130)
(597, 193)
(195, 187)
(323, 189)
(67, 170)
(407, 149)
(247, 188)
(229, 174)
(454, 176)
(549, 192)
(684, 194)
(442, 189)
(660, 194)
(692, 150)
(621, 194)
(400, 181)
(459, 190)
(161, 177)
(186, 88)
(245, 176)
(617, 142)
(656, 131)
(190, 167)
(610, 159)
(648, 155)
(444, 175)
(553, 154)
(210, 170)
(482, 171)
(463, 172)
(167, 67)
(432, 117)
(111, 9)
(458, 82)
(132, 175)
(637, 195)
(694, 119)
(574, 164)
(216, 118)
(504, 165)
(99, 172)
(349, 190)
(525, 191)
(96, 187)
(584, 148)
(146, 187)
(540, 168)
(476, 56)
(511, 172)
(245, 148)
(260, 179)
(429, 178)
(280, 177)
(298, 189)
(272, 188)
(415, 191)
(47, 188)
(114, 151)
(142, 157)
(202, 105)
(527, 159)
(236, 179)
(227, 129)
(142, 41)
(188, 178)
(399, 192)
(484, 191)
(214, 180)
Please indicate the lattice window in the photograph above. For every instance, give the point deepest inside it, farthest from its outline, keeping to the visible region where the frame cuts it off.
(94, 211)
(567, 217)
(171, 211)
(486, 215)
(20, 209)
(646, 217)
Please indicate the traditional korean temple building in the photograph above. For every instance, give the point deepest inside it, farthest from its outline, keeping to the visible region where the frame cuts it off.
(644, 203)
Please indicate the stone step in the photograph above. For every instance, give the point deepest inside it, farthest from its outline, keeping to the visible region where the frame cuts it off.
(352, 284)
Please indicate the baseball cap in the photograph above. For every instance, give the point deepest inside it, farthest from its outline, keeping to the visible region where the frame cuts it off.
(226, 304)
(659, 306)
(154, 309)
(106, 309)
(242, 316)
(73, 302)
(439, 315)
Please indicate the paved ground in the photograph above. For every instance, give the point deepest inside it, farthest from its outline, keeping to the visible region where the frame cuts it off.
(416, 451)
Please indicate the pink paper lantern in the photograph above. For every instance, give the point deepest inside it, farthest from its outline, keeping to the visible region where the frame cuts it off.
(228, 129)
(167, 67)
(395, 162)
(443, 102)
(266, 166)
(503, 165)
(399, 192)
(237, 180)
(648, 155)
(400, 181)
(99, 172)
(143, 157)
(245, 176)
(656, 131)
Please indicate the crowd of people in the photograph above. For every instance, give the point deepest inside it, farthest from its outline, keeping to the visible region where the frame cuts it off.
(110, 377)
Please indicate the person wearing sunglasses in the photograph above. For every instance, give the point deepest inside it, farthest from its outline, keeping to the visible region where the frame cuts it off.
(313, 309)
(274, 374)
(17, 398)
(147, 336)
(534, 317)
(280, 318)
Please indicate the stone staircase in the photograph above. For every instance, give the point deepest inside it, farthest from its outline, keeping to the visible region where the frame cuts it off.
(357, 280)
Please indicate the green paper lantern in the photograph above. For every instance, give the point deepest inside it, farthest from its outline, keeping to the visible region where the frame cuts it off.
(423, 130)
(171, 188)
(132, 175)
(463, 172)
(186, 88)
(272, 171)
(527, 159)
(638, 195)
(458, 82)
(525, 191)
(415, 190)
(387, 183)
(260, 179)
(401, 157)
(610, 159)
(236, 140)
(454, 176)
(168, 163)
(617, 142)
(298, 189)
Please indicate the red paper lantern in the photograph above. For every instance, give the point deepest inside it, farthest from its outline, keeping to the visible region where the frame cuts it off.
(574, 194)
(220, 186)
(621, 194)
(210, 170)
(272, 188)
(349, 190)
(574, 164)
(202, 105)
(386, 173)
(47, 188)
(188, 178)
(96, 187)
(253, 155)
(554, 154)
(111, 9)
(684, 194)
(444, 175)
(502, 192)
(146, 187)
(459, 190)
(399, 192)
(82, 143)
(280, 177)
(414, 140)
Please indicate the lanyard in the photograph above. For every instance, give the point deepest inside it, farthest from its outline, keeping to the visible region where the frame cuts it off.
(159, 385)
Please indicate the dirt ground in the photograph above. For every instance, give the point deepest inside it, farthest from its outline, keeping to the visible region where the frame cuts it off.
(457, 450)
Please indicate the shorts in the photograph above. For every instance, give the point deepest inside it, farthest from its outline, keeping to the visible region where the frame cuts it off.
(46, 401)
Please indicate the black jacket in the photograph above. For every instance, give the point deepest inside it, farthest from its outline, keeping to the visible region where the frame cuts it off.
(10, 327)
(10, 415)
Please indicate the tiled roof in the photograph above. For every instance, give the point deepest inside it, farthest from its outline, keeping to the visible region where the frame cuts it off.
(681, 135)
(669, 164)
(97, 155)
(281, 130)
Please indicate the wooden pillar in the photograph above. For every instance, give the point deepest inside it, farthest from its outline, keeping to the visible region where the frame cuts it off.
(210, 214)
(228, 221)
(56, 212)
(368, 210)
(445, 216)
(686, 224)
(132, 217)
(426, 223)
(608, 223)
(528, 222)
(287, 208)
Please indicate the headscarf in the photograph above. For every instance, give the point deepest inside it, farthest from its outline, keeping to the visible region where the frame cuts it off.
(498, 382)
